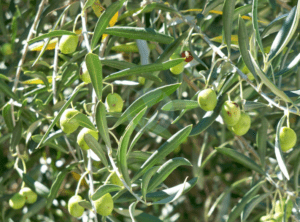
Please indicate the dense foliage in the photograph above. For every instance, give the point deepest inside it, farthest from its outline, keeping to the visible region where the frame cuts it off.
(149, 110)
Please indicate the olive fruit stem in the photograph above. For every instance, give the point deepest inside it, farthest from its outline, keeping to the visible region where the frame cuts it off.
(111, 85)
(75, 22)
(287, 116)
(79, 181)
(116, 139)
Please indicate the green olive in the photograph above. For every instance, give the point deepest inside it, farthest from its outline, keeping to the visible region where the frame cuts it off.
(231, 113)
(114, 103)
(207, 99)
(74, 208)
(6, 49)
(17, 201)
(30, 196)
(67, 124)
(80, 138)
(104, 205)
(68, 44)
(84, 74)
(141, 80)
(243, 125)
(287, 138)
(176, 70)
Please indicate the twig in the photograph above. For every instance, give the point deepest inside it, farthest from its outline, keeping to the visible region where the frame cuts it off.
(21, 62)
(84, 29)
(54, 74)
(190, 83)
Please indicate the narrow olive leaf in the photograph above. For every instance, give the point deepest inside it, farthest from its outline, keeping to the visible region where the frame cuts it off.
(290, 68)
(117, 64)
(104, 20)
(274, 26)
(51, 144)
(250, 105)
(95, 146)
(140, 156)
(252, 204)
(57, 183)
(16, 134)
(86, 204)
(146, 179)
(102, 123)
(123, 145)
(40, 75)
(65, 106)
(165, 170)
(159, 195)
(225, 193)
(255, 25)
(278, 152)
(175, 196)
(237, 210)
(7, 116)
(141, 132)
(169, 146)
(34, 209)
(131, 210)
(51, 34)
(104, 189)
(148, 99)
(241, 158)
(244, 46)
(94, 66)
(32, 128)
(83, 121)
(180, 104)
(286, 32)
(261, 140)
(35, 186)
(269, 83)
(296, 172)
(137, 70)
(245, 9)
(209, 117)
(6, 90)
(228, 11)
(148, 34)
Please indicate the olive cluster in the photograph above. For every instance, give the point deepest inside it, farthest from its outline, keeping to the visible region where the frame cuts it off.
(25, 195)
(238, 121)
(104, 205)
(69, 124)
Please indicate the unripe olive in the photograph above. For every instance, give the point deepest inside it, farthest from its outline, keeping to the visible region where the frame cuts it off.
(67, 124)
(178, 68)
(114, 179)
(141, 80)
(231, 113)
(68, 44)
(6, 49)
(207, 99)
(114, 103)
(17, 201)
(74, 208)
(268, 218)
(80, 138)
(30, 196)
(287, 138)
(243, 125)
(84, 74)
(104, 205)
